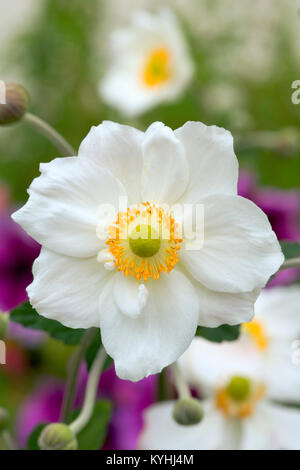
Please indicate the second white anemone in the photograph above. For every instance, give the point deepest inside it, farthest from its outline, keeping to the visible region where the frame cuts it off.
(146, 291)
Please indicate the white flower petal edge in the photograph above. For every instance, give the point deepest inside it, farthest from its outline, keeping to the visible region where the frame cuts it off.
(155, 338)
(61, 212)
(217, 308)
(67, 289)
(161, 432)
(212, 161)
(166, 171)
(272, 427)
(240, 249)
(279, 310)
(208, 365)
(118, 148)
(281, 374)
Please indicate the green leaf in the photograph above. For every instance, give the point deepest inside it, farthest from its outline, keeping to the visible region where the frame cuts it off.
(32, 442)
(222, 333)
(29, 318)
(93, 435)
(93, 350)
(290, 249)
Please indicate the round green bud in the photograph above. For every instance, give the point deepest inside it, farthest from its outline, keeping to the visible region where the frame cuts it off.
(57, 436)
(144, 241)
(4, 319)
(188, 411)
(4, 419)
(239, 388)
(14, 103)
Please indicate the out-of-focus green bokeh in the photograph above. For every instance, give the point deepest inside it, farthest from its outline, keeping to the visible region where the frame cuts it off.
(61, 58)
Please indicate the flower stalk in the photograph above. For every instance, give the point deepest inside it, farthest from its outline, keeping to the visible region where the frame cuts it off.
(91, 392)
(290, 263)
(69, 397)
(50, 133)
(180, 382)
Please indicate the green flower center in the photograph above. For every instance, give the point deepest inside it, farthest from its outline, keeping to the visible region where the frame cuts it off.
(144, 241)
(239, 388)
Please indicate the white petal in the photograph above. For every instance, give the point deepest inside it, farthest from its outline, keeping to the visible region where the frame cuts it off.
(209, 365)
(279, 310)
(282, 375)
(119, 149)
(166, 171)
(129, 295)
(161, 432)
(219, 308)
(67, 289)
(212, 161)
(285, 426)
(159, 335)
(61, 212)
(258, 433)
(240, 250)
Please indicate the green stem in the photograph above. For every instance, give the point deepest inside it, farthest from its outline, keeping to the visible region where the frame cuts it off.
(51, 134)
(290, 263)
(180, 382)
(76, 359)
(91, 393)
(283, 141)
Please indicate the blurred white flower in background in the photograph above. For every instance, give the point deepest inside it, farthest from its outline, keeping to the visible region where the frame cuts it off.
(241, 39)
(149, 63)
(243, 380)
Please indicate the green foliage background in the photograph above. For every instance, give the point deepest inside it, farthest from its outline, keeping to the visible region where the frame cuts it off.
(62, 65)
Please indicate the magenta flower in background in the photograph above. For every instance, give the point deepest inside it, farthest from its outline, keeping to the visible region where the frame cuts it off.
(17, 253)
(43, 405)
(129, 400)
(283, 210)
(28, 338)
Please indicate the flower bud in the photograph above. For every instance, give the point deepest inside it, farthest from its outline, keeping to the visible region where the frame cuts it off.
(188, 411)
(4, 419)
(57, 436)
(4, 318)
(13, 104)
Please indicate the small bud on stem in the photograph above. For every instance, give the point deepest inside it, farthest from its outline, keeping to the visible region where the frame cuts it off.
(188, 411)
(16, 103)
(57, 436)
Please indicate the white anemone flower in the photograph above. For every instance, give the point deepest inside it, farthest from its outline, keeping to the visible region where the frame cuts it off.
(150, 63)
(147, 294)
(248, 384)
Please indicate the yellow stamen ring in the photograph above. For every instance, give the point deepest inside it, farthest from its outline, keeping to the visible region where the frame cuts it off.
(144, 241)
(158, 67)
(238, 399)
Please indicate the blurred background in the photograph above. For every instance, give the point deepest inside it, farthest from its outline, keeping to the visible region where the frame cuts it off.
(246, 56)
